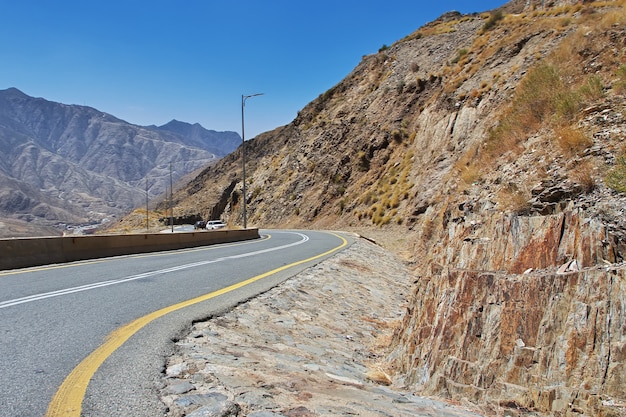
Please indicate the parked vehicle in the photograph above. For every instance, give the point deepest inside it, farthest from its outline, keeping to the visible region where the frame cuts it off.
(200, 224)
(215, 224)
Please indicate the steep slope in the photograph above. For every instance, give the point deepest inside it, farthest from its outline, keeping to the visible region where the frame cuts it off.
(71, 164)
(377, 147)
(489, 150)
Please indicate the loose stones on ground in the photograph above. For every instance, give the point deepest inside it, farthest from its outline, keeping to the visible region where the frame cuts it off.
(314, 346)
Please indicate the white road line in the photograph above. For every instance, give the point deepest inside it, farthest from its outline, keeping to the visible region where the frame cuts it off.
(42, 296)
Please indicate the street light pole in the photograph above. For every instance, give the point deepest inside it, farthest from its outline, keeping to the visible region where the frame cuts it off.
(243, 155)
(147, 201)
(171, 199)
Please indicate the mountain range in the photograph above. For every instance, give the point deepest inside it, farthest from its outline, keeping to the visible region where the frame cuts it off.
(70, 164)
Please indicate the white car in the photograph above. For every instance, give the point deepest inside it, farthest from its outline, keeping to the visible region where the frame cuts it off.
(215, 224)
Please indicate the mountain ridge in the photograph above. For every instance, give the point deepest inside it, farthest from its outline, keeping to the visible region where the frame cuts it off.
(74, 164)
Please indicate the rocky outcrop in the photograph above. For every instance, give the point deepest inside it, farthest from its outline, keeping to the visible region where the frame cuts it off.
(553, 343)
(520, 312)
(514, 244)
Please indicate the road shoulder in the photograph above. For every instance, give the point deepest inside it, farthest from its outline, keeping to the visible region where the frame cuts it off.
(314, 345)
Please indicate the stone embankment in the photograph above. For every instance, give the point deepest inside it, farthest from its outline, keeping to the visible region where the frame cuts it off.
(314, 346)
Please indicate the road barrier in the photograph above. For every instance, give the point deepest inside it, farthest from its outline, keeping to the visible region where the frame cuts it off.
(27, 252)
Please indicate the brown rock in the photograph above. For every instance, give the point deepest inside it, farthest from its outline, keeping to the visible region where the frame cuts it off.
(545, 342)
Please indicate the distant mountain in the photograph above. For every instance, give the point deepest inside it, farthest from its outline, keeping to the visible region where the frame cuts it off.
(72, 164)
(220, 143)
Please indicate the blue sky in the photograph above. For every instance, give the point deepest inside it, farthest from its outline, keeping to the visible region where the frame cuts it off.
(149, 62)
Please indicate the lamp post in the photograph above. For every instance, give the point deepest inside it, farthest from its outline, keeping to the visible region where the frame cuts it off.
(171, 199)
(147, 201)
(243, 155)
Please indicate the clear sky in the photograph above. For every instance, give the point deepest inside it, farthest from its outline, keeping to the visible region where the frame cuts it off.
(151, 61)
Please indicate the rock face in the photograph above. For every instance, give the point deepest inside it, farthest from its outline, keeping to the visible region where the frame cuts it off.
(552, 341)
(70, 164)
(514, 244)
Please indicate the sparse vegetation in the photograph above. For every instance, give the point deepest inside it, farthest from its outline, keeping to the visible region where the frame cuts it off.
(364, 161)
(460, 54)
(493, 20)
(582, 174)
(543, 99)
(397, 176)
(572, 140)
(616, 178)
(514, 199)
(398, 135)
(470, 174)
(620, 84)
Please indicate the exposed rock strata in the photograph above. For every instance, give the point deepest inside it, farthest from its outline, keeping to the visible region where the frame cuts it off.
(530, 337)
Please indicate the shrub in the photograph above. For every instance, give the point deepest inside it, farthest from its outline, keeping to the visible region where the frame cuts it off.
(460, 55)
(364, 161)
(616, 178)
(342, 205)
(397, 135)
(535, 99)
(620, 85)
(572, 140)
(593, 88)
(493, 20)
(582, 175)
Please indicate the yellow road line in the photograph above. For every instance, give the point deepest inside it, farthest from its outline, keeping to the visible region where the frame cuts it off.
(67, 401)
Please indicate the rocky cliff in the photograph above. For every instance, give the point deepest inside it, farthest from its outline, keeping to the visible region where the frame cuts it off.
(523, 313)
(488, 150)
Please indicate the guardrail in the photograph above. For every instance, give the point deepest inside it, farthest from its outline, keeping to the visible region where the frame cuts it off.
(26, 252)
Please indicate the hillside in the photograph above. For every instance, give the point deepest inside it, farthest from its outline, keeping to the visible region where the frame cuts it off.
(429, 123)
(68, 164)
(489, 151)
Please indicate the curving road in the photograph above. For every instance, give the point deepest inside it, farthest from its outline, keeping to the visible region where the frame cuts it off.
(90, 338)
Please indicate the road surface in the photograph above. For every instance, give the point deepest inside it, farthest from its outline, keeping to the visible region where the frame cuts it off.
(91, 337)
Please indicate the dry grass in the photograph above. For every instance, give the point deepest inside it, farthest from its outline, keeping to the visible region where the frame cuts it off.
(514, 199)
(571, 140)
(582, 174)
(551, 95)
(470, 174)
(378, 376)
(379, 371)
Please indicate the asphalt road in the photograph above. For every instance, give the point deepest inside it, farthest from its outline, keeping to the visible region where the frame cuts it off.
(57, 321)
